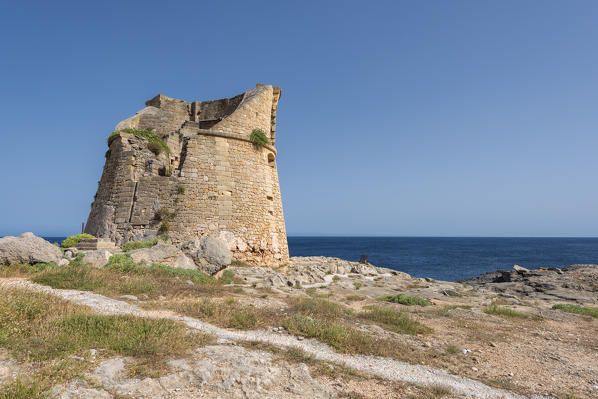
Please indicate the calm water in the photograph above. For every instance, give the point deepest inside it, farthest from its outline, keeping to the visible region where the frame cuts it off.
(451, 258)
(447, 258)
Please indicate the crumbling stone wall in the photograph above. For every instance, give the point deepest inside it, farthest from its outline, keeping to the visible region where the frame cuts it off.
(214, 182)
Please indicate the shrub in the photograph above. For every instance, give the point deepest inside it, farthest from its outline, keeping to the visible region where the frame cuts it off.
(180, 189)
(404, 299)
(168, 171)
(154, 147)
(357, 285)
(150, 136)
(71, 241)
(228, 276)
(164, 213)
(164, 227)
(582, 310)
(107, 154)
(259, 138)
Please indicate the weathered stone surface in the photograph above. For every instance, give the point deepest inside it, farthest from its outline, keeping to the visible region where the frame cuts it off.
(308, 271)
(209, 254)
(221, 371)
(28, 248)
(97, 258)
(214, 182)
(163, 253)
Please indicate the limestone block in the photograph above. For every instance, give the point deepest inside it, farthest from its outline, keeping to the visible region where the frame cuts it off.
(97, 258)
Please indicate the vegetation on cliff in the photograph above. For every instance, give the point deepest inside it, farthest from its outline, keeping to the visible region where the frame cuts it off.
(259, 138)
(155, 143)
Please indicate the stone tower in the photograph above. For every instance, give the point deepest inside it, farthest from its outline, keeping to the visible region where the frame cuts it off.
(210, 180)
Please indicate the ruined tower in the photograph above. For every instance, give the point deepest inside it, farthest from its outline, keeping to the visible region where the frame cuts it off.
(205, 177)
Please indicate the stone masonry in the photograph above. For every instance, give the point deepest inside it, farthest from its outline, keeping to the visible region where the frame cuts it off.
(214, 182)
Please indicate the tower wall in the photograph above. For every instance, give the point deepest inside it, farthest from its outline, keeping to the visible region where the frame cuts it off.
(214, 182)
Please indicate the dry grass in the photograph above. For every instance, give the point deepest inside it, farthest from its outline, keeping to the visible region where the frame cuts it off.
(46, 330)
(123, 276)
(329, 322)
(496, 310)
(405, 299)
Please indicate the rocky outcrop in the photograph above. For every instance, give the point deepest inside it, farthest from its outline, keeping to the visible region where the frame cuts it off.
(209, 254)
(223, 371)
(163, 253)
(308, 271)
(28, 248)
(574, 283)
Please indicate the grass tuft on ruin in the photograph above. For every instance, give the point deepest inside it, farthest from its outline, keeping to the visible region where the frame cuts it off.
(155, 143)
(259, 138)
(72, 241)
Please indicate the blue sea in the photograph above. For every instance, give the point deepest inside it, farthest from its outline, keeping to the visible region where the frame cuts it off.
(447, 258)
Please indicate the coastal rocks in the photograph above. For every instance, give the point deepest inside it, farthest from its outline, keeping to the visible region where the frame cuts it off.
(97, 258)
(574, 283)
(210, 254)
(28, 248)
(163, 253)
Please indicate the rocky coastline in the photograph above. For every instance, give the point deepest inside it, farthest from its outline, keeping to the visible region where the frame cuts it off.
(508, 333)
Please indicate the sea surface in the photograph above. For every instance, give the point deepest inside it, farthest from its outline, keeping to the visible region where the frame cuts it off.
(447, 258)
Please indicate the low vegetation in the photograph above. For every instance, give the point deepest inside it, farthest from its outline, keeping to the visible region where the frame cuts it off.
(582, 310)
(155, 142)
(405, 299)
(394, 320)
(72, 241)
(41, 328)
(259, 138)
(326, 321)
(123, 276)
(496, 310)
(132, 245)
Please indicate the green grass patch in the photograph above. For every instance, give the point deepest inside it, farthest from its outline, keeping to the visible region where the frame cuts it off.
(153, 139)
(132, 245)
(496, 310)
(259, 138)
(72, 241)
(38, 327)
(23, 389)
(123, 263)
(582, 310)
(227, 276)
(394, 320)
(405, 299)
(342, 338)
(123, 276)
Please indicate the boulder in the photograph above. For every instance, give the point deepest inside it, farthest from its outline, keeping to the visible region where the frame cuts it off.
(71, 253)
(210, 254)
(28, 248)
(165, 254)
(97, 258)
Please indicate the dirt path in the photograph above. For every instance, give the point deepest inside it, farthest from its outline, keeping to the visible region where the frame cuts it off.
(382, 367)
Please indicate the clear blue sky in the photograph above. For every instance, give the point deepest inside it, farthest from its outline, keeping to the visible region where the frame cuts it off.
(468, 118)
